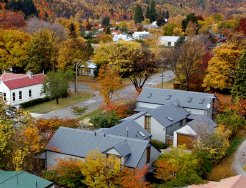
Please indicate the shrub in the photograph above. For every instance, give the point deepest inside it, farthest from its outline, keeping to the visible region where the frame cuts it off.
(79, 110)
(158, 144)
(35, 102)
(104, 119)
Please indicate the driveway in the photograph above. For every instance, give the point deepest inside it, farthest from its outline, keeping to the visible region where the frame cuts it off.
(94, 102)
(240, 159)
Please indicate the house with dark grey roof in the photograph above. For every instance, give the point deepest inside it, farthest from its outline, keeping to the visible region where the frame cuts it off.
(194, 102)
(162, 121)
(129, 129)
(76, 144)
(199, 126)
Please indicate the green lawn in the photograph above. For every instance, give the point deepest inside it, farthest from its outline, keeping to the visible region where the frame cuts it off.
(74, 98)
(90, 114)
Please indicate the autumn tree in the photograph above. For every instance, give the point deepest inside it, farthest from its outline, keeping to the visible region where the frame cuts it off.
(56, 84)
(100, 171)
(130, 59)
(13, 49)
(106, 86)
(138, 14)
(239, 86)
(41, 51)
(190, 18)
(129, 178)
(185, 59)
(221, 68)
(12, 20)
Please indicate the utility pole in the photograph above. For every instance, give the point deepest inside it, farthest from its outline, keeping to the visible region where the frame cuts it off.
(76, 77)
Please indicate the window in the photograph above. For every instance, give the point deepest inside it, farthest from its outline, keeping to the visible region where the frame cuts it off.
(20, 95)
(148, 155)
(13, 95)
(4, 97)
(30, 93)
(169, 43)
(147, 123)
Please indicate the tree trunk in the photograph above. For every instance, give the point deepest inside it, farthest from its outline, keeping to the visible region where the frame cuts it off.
(57, 100)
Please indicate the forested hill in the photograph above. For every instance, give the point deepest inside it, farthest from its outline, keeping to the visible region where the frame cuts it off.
(118, 9)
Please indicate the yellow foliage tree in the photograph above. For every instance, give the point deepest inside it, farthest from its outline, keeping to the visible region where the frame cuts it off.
(100, 171)
(109, 81)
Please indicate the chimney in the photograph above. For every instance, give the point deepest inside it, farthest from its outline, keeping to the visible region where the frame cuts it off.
(127, 132)
(30, 74)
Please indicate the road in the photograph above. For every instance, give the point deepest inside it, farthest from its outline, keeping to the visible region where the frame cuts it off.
(94, 102)
(240, 159)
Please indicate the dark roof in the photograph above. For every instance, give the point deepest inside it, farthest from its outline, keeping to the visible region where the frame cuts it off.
(142, 109)
(15, 81)
(123, 149)
(169, 114)
(8, 179)
(133, 117)
(187, 99)
(201, 120)
(134, 130)
(79, 143)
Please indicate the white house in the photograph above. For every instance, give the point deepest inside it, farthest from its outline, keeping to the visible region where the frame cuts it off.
(141, 35)
(161, 122)
(168, 40)
(77, 143)
(87, 70)
(124, 37)
(194, 102)
(200, 126)
(20, 88)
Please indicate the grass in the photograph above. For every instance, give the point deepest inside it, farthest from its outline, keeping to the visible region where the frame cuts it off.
(90, 114)
(74, 98)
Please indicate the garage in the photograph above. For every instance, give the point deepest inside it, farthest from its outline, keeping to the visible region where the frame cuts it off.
(187, 140)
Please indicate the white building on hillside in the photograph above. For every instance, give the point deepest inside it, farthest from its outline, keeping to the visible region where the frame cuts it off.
(168, 40)
(124, 37)
(20, 88)
(141, 35)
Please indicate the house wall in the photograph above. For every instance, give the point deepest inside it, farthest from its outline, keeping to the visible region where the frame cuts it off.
(51, 158)
(147, 105)
(5, 89)
(165, 43)
(158, 132)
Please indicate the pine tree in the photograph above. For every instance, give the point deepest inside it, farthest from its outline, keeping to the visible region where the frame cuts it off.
(105, 22)
(239, 87)
(147, 15)
(138, 14)
(153, 14)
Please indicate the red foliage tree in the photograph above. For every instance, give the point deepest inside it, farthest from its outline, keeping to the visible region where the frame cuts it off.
(9, 19)
(242, 26)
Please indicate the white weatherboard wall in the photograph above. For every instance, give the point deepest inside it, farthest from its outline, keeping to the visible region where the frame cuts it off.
(158, 132)
(186, 130)
(52, 158)
(36, 93)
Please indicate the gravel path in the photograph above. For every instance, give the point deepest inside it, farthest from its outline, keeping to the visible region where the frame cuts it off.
(240, 159)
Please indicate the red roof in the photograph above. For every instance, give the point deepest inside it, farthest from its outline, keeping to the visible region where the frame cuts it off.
(15, 81)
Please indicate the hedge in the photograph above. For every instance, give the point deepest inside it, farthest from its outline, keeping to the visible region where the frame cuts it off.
(158, 144)
(35, 102)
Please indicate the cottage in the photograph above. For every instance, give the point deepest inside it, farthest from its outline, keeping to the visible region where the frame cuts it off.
(168, 41)
(20, 88)
(14, 179)
(88, 70)
(200, 125)
(194, 102)
(75, 143)
(141, 35)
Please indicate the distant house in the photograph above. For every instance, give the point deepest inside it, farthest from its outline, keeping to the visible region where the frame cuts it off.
(169, 41)
(137, 35)
(19, 88)
(76, 144)
(87, 70)
(13, 179)
(162, 121)
(151, 26)
(124, 37)
(194, 102)
(199, 125)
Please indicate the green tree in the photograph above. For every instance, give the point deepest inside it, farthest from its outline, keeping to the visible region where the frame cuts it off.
(189, 18)
(41, 51)
(147, 14)
(56, 84)
(26, 6)
(239, 86)
(152, 10)
(105, 119)
(138, 14)
(106, 22)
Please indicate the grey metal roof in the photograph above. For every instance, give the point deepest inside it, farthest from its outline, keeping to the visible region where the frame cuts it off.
(79, 143)
(134, 130)
(187, 99)
(201, 120)
(133, 117)
(169, 114)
